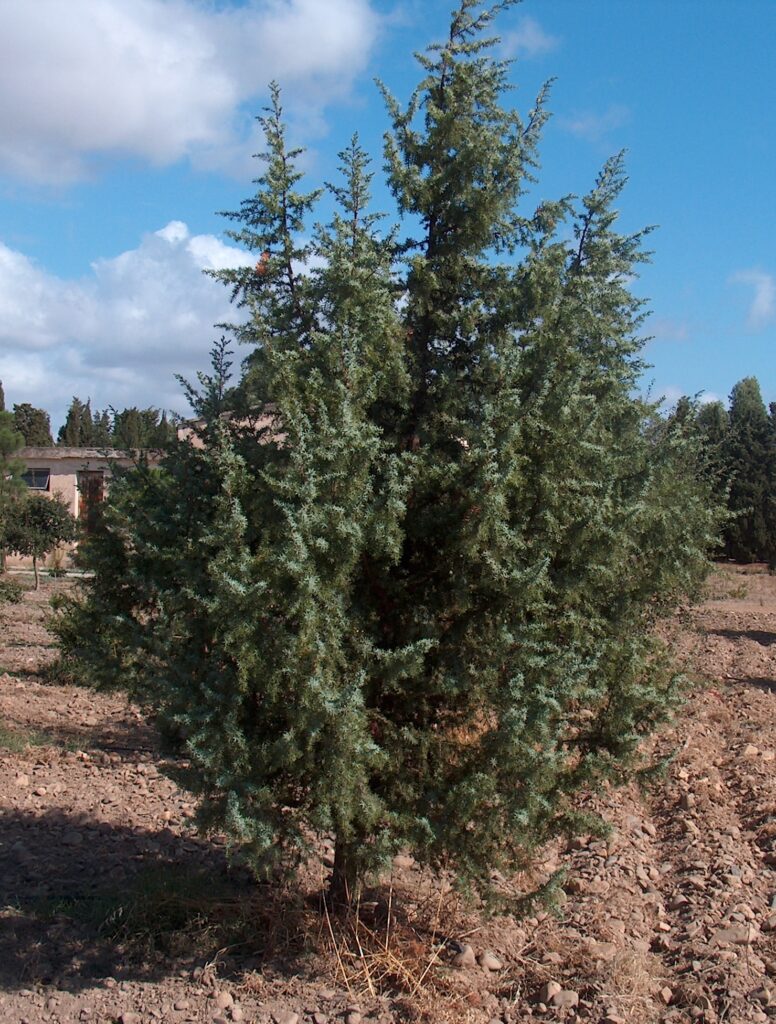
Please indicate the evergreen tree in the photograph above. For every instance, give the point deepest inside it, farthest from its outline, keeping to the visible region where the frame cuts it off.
(78, 429)
(102, 429)
(749, 458)
(712, 422)
(2, 398)
(134, 429)
(33, 424)
(410, 598)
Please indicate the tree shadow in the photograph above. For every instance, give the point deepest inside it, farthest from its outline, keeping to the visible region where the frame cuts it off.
(757, 682)
(760, 636)
(83, 900)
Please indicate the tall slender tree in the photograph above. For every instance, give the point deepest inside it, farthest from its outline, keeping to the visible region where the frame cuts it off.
(405, 592)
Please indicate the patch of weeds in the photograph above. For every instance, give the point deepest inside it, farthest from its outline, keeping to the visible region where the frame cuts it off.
(16, 741)
(174, 910)
(62, 671)
(11, 591)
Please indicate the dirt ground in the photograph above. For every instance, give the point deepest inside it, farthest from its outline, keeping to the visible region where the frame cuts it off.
(113, 910)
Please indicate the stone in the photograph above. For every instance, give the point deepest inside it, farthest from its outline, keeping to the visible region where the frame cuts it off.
(565, 999)
(465, 958)
(237, 1013)
(180, 1004)
(22, 780)
(738, 935)
(666, 994)
(319, 1018)
(489, 961)
(750, 750)
(605, 951)
(548, 990)
(219, 1019)
(353, 1017)
(72, 838)
(128, 1017)
(286, 1017)
(223, 1000)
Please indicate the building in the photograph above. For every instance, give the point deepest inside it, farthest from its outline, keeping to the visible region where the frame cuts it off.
(81, 476)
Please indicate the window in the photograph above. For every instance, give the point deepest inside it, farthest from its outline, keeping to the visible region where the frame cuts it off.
(37, 479)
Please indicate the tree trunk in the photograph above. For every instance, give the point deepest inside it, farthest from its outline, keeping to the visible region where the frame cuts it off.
(343, 887)
(35, 570)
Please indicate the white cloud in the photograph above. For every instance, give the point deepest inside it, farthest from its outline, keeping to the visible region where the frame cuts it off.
(528, 39)
(162, 79)
(762, 309)
(594, 127)
(668, 329)
(120, 334)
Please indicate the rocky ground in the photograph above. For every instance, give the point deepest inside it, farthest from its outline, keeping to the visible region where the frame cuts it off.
(112, 909)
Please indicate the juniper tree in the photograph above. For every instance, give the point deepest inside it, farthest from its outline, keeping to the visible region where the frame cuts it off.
(403, 589)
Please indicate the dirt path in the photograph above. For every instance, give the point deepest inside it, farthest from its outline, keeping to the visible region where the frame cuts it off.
(112, 909)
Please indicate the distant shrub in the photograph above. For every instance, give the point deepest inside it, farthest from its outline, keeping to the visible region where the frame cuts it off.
(11, 591)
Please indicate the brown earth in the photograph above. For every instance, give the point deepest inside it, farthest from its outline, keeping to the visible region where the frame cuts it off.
(112, 909)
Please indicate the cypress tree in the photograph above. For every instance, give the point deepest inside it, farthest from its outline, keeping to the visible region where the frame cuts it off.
(78, 429)
(405, 591)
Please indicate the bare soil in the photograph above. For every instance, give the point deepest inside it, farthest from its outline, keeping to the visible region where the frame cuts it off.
(113, 909)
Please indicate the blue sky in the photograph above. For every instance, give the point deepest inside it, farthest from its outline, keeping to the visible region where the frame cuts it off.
(127, 124)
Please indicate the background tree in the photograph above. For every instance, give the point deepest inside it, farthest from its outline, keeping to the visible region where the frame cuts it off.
(749, 443)
(102, 429)
(78, 429)
(33, 424)
(12, 488)
(412, 601)
(135, 428)
(2, 398)
(37, 525)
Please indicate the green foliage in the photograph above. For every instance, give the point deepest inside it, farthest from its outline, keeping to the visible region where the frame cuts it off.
(12, 488)
(405, 591)
(750, 449)
(37, 525)
(11, 591)
(739, 449)
(33, 424)
(129, 429)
